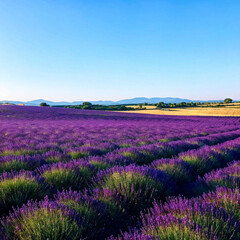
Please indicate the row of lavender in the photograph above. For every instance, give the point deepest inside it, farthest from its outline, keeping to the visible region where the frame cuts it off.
(112, 156)
(115, 182)
(121, 191)
(213, 215)
(20, 135)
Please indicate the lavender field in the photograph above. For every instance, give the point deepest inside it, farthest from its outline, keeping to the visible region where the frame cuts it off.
(85, 174)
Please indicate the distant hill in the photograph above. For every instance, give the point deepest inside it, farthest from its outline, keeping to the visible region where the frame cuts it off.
(137, 100)
(152, 100)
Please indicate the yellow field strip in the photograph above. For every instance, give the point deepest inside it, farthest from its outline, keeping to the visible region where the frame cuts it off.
(225, 111)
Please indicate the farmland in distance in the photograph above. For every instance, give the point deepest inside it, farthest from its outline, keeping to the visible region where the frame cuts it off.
(232, 109)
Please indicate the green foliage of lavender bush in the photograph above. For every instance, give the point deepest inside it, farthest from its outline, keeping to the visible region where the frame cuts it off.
(174, 232)
(63, 178)
(92, 224)
(18, 152)
(17, 191)
(225, 198)
(99, 165)
(199, 166)
(214, 225)
(13, 165)
(80, 154)
(128, 182)
(176, 172)
(130, 155)
(135, 191)
(86, 174)
(55, 159)
(42, 225)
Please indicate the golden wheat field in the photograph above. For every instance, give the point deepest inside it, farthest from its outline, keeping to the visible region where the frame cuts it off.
(147, 107)
(225, 110)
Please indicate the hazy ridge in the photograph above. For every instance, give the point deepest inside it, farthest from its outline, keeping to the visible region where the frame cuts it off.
(136, 100)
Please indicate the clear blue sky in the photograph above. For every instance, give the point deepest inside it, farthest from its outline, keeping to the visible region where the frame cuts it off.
(90, 50)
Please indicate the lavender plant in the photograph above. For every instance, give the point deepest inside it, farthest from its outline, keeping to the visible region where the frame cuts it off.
(17, 188)
(43, 220)
(93, 212)
(133, 187)
(75, 174)
(180, 171)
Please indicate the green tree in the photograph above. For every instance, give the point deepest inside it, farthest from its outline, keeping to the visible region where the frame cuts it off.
(86, 104)
(227, 100)
(122, 107)
(43, 104)
(161, 105)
